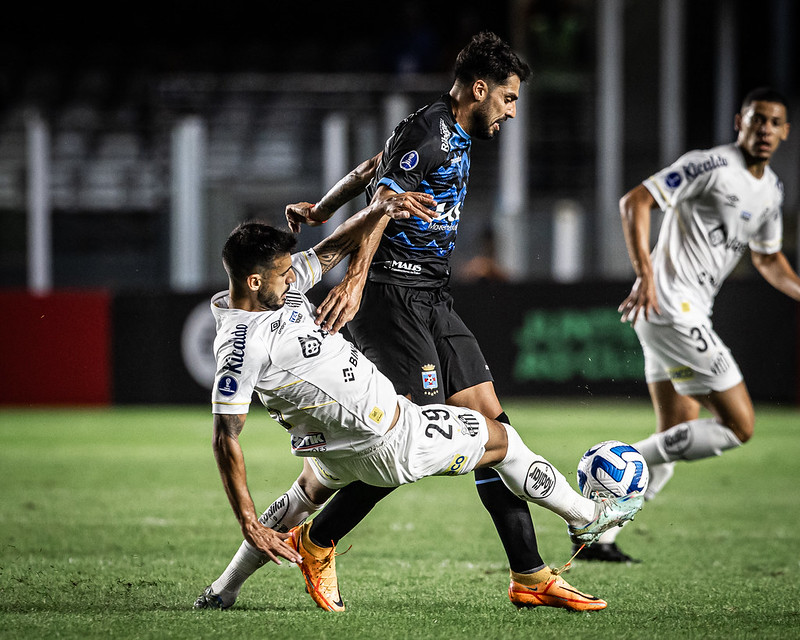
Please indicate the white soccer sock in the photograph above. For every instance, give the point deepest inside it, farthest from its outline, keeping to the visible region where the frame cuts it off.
(659, 476)
(292, 508)
(692, 440)
(534, 479)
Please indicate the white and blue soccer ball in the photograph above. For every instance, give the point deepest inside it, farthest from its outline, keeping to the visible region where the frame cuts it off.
(612, 468)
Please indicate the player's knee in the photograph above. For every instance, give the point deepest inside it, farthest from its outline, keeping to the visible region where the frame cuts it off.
(744, 432)
(496, 447)
(315, 491)
(742, 428)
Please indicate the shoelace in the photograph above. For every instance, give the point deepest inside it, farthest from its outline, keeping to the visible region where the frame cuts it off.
(560, 570)
(326, 562)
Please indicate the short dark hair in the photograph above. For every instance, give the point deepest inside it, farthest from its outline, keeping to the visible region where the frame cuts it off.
(764, 94)
(487, 57)
(253, 246)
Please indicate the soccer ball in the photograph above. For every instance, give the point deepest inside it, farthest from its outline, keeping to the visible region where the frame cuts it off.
(612, 468)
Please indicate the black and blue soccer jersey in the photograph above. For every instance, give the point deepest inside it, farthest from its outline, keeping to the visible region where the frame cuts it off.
(428, 152)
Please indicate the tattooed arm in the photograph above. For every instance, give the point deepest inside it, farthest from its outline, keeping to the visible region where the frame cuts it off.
(339, 194)
(230, 462)
(349, 235)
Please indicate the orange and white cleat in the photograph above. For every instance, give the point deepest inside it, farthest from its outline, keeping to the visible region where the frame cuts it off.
(319, 569)
(554, 591)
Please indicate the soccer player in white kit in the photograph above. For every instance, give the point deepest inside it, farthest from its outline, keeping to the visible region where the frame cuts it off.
(344, 417)
(717, 203)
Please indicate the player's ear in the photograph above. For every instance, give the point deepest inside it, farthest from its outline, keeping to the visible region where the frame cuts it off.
(253, 281)
(737, 122)
(785, 133)
(480, 90)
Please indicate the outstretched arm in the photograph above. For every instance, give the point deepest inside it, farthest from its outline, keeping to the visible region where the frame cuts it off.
(775, 269)
(230, 462)
(343, 300)
(354, 232)
(341, 193)
(635, 207)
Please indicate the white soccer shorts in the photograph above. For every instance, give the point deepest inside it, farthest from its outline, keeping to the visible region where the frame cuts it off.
(692, 356)
(433, 440)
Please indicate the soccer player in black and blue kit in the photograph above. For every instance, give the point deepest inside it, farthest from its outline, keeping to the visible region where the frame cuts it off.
(406, 323)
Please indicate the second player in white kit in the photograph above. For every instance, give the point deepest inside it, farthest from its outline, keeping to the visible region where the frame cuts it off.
(719, 204)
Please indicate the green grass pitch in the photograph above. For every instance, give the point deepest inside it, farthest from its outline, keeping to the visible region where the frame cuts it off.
(113, 520)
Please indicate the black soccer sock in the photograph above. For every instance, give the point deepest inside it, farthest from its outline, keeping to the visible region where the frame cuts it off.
(345, 510)
(512, 518)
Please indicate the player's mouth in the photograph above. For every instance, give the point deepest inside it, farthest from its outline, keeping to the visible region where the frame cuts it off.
(763, 145)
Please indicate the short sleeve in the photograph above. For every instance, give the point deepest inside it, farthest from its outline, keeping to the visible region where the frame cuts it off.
(684, 179)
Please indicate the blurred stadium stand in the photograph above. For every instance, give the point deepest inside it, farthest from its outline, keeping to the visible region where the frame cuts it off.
(112, 87)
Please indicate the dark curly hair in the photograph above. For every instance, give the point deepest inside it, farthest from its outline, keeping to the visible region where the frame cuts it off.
(488, 57)
(764, 94)
(252, 246)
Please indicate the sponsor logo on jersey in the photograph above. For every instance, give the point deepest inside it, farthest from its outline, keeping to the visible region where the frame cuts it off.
(295, 316)
(405, 267)
(353, 358)
(293, 299)
(409, 161)
(310, 346)
(717, 236)
(274, 326)
(234, 361)
(746, 215)
(227, 385)
(732, 200)
(471, 424)
(348, 374)
(677, 441)
(455, 467)
(430, 380)
(540, 480)
(737, 246)
(444, 130)
(376, 415)
(673, 180)
(695, 169)
(308, 442)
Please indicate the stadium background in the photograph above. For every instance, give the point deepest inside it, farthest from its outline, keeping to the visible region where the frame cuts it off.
(100, 110)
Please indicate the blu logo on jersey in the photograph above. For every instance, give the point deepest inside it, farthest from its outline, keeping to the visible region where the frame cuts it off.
(673, 180)
(227, 385)
(409, 161)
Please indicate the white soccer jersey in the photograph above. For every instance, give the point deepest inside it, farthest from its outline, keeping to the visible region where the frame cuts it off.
(715, 209)
(329, 397)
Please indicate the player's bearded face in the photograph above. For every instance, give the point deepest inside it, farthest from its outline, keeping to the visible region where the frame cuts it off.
(275, 281)
(499, 105)
(483, 123)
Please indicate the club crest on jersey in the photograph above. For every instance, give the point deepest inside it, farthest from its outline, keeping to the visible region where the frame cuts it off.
(310, 346)
(471, 424)
(409, 161)
(430, 379)
(227, 385)
(293, 299)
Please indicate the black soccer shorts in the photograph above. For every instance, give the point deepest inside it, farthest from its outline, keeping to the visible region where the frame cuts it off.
(415, 338)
